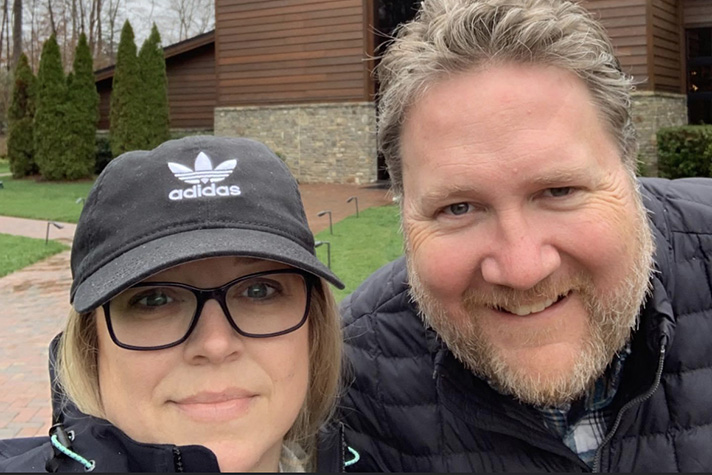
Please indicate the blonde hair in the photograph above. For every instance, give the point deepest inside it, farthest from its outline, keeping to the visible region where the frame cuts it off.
(78, 375)
(451, 36)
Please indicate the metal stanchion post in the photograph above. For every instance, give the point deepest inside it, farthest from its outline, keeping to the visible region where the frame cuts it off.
(354, 198)
(56, 225)
(322, 213)
(328, 251)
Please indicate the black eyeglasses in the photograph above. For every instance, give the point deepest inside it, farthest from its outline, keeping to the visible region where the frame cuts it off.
(158, 315)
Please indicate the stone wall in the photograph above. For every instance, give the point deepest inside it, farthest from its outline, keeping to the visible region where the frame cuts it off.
(321, 143)
(651, 111)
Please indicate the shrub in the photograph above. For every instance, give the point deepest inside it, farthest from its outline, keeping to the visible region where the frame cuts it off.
(49, 130)
(20, 141)
(125, 108)
(154, 88)
(82, 114)
(103, 153)
(685, 151)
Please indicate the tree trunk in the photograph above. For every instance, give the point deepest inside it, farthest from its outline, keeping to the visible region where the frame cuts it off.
(16, 32)
(98, 51)
(2, 27)
(92, 28)
(51, 17)
(75, 34)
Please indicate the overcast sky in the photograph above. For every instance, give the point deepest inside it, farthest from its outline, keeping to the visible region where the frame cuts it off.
(143, 13)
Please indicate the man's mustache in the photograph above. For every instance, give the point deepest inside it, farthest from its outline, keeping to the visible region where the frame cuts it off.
(552, 288)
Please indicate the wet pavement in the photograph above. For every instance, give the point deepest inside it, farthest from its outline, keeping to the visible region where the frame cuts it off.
(35, 302)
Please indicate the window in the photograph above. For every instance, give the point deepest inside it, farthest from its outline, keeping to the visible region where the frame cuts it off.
(699, 75)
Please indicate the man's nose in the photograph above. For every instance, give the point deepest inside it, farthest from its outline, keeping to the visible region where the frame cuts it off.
(520, 255)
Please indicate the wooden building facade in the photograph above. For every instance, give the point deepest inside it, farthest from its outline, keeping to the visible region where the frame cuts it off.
(666, 45)
(285, 51)
(296, 74)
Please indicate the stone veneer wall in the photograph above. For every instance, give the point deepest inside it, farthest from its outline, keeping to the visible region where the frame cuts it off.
(651, 111)
(321, 143)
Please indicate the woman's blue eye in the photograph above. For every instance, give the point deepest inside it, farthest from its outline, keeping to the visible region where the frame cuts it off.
(259, 291)
(153, 299)
(458, 208)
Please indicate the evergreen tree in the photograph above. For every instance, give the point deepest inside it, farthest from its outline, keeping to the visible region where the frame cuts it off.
(126, 96)
(50, 126)
(20, 141)
(82, 114)
(152, 64)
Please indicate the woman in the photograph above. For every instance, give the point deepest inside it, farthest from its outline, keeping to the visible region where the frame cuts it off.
(203, 335)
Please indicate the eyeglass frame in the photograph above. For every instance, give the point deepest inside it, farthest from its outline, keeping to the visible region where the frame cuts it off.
(215, 293)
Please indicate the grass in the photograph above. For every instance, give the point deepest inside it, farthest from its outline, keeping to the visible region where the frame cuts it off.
(361, 245)
(4, 166)
(55, 201)
(18, 252)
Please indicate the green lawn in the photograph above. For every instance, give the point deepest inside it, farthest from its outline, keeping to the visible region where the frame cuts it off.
(18, 252)
(4, 166)
(28, 198)
(361, 245)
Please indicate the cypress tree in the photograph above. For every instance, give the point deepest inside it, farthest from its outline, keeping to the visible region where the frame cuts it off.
(152, 65)
(82, 114)
(125, 114)
(49, 116)
(20, 141)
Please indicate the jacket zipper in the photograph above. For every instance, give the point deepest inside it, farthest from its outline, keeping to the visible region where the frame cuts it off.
(638, 400)
(177, 460)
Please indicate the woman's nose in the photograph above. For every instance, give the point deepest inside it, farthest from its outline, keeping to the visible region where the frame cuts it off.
(213, 339)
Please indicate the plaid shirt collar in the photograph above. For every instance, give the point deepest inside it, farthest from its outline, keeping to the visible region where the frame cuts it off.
(583, 425)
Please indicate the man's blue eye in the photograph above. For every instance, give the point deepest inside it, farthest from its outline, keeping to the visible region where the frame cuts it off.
(562, 191)
(459, 208)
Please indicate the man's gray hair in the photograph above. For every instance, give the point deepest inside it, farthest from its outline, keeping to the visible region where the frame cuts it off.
(451, 36)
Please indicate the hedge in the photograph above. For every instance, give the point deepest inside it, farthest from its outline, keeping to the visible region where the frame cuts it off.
(685, 151)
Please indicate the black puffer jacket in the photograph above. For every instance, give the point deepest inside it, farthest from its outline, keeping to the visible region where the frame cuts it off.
(414, 407)
(98, 445)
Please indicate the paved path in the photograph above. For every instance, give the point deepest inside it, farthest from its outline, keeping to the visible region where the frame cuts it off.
(36, 229)
(35, 302)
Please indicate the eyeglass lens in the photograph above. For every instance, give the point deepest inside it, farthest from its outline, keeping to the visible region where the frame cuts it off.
(150, 316)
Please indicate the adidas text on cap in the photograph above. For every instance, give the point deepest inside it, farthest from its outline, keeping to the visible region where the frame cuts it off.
(187, 199)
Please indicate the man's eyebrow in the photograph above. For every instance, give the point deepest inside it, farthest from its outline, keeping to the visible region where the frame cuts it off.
(446, 192)
(560, 178)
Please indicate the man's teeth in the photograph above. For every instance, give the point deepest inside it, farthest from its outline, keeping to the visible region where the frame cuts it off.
(528, 309)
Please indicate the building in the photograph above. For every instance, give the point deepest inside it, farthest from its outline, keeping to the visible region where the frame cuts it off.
(296, 74)
(666, 45)
(192, 93)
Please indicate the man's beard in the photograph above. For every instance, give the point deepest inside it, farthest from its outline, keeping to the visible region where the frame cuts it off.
(611, 319)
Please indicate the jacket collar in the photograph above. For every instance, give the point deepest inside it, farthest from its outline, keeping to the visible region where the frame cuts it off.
(112, 450)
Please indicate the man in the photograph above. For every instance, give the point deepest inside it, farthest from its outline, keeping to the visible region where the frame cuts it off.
(552, 313)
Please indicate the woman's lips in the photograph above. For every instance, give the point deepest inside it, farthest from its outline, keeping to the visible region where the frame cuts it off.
(216, 406)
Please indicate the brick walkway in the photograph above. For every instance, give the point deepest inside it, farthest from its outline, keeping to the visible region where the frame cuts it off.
(35, 303)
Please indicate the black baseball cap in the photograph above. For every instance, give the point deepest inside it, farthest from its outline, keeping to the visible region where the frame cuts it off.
(187, 199)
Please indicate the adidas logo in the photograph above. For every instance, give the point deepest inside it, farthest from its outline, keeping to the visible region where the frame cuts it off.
(202, 173)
